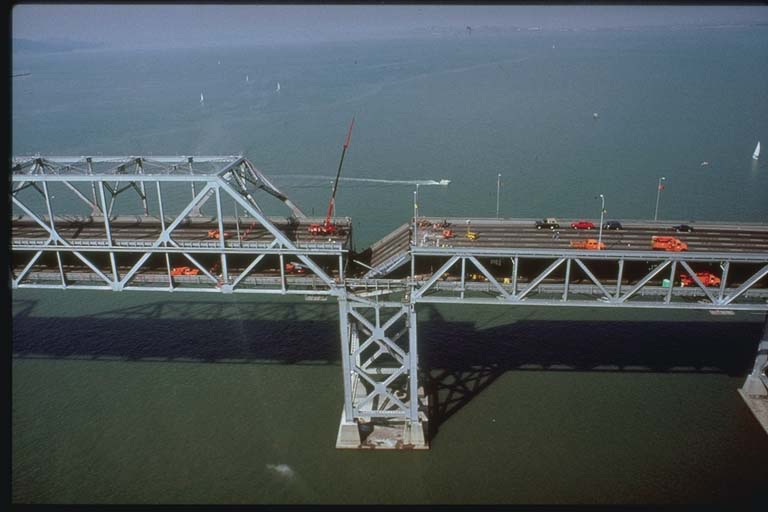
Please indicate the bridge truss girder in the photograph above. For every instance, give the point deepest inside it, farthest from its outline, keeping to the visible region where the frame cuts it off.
(233, 178)
(561, 291)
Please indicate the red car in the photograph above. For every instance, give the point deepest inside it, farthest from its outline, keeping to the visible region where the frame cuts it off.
(582, 224)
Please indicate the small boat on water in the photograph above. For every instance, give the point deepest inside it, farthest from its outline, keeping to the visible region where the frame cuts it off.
(756, 154)
(278, 87)
(704, 163)
(202, 99)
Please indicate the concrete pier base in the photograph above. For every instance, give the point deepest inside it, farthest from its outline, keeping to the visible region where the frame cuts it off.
(758, 404)
(385, 433)
(755, 388)
(349, 434)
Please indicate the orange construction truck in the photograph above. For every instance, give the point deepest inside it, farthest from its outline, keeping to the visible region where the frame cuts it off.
(706, 278)
(668, 243)
(590, 244)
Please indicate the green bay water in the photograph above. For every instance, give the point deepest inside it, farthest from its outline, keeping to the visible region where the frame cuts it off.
(151, 397)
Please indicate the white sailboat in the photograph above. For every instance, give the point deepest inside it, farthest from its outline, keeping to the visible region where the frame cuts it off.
(246, 78)
(756, 154)
(202, 99)
(278, 87)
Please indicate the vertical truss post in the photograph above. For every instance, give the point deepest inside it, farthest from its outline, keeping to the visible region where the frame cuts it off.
(222, 242)
(619, 277)
(567, 278)
(668, 298)
(95, 211)
(515, 263)
(196, 210)
(162, 227)
(49, 207)
(115, 280)
(726, 266)
(140, 171)
(349, 433)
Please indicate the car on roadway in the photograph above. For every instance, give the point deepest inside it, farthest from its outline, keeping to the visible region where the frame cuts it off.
(682, 228)
(582, 224)
(547, 223)
(612, 224)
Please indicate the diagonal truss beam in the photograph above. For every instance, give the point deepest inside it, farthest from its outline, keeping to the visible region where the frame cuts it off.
(55, 237)
(539, 279)
(437, 275)
(698, 282)
(592, 278)
(746, 285)
(279, 236)
(643, 281)
(489, 277)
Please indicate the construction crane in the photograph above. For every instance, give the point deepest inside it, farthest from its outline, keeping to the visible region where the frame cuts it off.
(327, 228)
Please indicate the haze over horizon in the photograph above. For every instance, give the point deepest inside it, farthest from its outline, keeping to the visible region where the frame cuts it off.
(179, 26)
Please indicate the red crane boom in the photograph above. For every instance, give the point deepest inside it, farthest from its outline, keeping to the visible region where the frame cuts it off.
(326, 228)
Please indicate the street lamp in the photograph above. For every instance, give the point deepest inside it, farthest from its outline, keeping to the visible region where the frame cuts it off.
(415, 214)
(602, 211)
(498, 187)
(658, 194)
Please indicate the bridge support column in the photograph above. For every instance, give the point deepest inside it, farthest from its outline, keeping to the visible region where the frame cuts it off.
(757, 381)
(755, 388)
(384, 406)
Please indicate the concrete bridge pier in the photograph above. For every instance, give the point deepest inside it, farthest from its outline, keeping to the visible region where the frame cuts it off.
(384, 406)
(755, 388)
(757, 381)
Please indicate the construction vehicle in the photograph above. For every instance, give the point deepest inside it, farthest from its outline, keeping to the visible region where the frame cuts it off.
(706, 278)
(215, 234)
(184, 271)
(448, 233)
(472, 235)
(590, 244)
(328, 228)
(441, 225)
(668, 243)
(295, 268)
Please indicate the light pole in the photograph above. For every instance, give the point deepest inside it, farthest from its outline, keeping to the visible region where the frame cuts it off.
(415, 214)
(658, 195)
(416, 202)
(602, 211)
(498, 188)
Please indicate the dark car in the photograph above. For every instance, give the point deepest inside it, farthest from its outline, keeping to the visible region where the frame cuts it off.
(547, 223)
(612, 224)
(582, 224)
(682, 228)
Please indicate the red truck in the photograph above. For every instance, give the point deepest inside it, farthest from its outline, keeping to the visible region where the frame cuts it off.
(668, 243)
(590, 244)
(706, 278)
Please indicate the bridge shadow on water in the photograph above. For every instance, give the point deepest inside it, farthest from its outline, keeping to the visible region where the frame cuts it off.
(458, 359)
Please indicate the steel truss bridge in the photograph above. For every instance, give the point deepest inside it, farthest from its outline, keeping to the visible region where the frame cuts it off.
(127, 223)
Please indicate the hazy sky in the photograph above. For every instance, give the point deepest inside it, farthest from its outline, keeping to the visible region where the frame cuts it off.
(211, 25)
